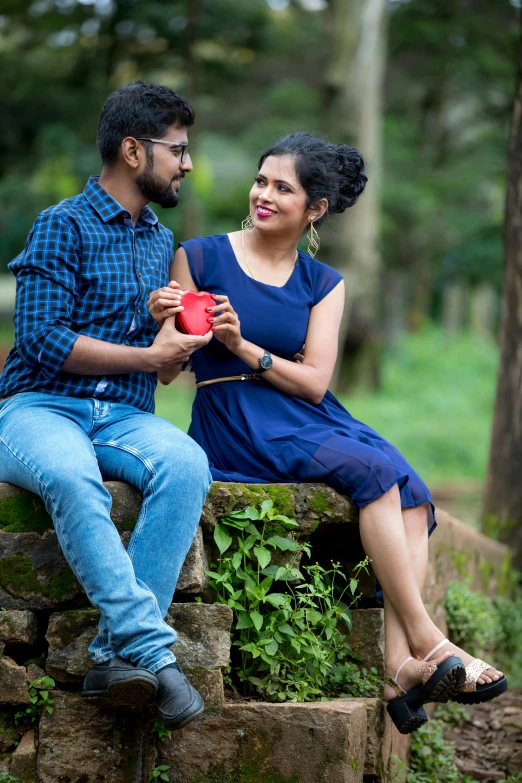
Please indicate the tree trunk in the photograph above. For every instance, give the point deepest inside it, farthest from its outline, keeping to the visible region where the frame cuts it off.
(192, 214)
(355, 86)
(503, 498)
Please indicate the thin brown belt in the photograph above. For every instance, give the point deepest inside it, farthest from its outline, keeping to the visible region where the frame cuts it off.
(245, 377)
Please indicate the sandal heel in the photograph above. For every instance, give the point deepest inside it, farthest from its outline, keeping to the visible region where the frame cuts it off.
(406, 717)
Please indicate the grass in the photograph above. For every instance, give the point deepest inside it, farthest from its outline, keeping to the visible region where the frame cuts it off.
(435, 403)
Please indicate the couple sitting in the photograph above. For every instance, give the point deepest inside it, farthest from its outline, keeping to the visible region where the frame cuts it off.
(78, 398)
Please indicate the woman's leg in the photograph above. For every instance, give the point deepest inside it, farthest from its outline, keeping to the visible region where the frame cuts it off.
(398, 549)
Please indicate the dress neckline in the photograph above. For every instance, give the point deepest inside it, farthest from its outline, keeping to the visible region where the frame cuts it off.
(260, 282)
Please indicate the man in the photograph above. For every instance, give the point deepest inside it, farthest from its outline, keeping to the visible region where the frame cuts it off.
(78, 395)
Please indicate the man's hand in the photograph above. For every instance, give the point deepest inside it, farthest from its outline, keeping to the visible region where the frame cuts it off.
(174, 348)
(165, 302)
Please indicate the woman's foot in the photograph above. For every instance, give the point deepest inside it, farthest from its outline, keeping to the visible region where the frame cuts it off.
(488, 676)
(409, 676)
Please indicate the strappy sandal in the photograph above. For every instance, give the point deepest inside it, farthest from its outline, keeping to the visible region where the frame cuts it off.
(472, 693)
(439, 683)
(475, 694)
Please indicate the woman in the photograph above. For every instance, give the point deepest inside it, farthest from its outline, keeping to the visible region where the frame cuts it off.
(280, 424)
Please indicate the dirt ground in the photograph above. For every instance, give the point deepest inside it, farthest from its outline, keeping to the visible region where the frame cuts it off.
(489, 747)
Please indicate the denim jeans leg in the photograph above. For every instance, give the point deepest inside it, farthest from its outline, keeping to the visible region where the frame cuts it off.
(171, 471)
(45, 447)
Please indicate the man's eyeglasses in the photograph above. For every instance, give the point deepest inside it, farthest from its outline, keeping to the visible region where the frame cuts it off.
(180, 145)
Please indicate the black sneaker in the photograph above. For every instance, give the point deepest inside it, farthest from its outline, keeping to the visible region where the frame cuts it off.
(177, 702)
(120, 681)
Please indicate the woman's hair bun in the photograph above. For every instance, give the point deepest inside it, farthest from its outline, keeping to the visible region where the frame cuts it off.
(352, 178)
(325, 170)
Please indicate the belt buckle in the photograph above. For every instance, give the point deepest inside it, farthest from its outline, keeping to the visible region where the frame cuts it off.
(244, 376)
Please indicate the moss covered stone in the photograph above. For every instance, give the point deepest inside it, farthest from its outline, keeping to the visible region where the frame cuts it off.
(24, 513)
(65, 627)
(271, 743)
(239, 496)
(253, 767)
(321, 503)
(249, 772)
(18, 578)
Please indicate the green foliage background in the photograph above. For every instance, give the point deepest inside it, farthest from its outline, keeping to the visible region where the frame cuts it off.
(257, 70)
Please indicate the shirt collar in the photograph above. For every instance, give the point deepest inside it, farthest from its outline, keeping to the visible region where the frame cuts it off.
(108, 208)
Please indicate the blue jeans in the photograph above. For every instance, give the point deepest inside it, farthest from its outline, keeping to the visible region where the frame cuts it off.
(62, 448)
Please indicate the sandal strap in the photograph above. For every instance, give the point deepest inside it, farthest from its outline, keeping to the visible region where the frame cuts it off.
(405, 661)
(395, 685)
(426, 670)
(436, 649)
(473, 672)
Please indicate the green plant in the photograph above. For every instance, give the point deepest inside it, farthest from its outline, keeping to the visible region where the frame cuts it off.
(227, 678)
(291, 646)
(509, 647)
(472, 619)
(39, 699)
(158, 728)
(9, 779)
(159, 773)
(432, 755)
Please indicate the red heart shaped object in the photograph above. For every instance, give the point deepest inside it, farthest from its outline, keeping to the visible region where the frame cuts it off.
(194, 318)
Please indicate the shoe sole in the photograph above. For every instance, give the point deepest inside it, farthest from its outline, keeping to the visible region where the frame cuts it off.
(135, 692)
(412, 725)
(490, 691)
(450, 685)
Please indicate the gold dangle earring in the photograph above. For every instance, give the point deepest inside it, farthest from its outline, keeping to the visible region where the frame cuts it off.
(314, 242)
(247, 222)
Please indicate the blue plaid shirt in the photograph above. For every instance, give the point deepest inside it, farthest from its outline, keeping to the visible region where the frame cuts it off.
(86, 270)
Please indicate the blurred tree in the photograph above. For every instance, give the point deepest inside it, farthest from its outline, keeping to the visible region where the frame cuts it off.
(448, 100)
(354, 87)
(503, 498)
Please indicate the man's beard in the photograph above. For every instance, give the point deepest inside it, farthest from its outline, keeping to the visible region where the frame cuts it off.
(155, 189)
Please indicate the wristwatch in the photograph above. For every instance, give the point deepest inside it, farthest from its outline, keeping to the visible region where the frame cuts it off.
(265, 362)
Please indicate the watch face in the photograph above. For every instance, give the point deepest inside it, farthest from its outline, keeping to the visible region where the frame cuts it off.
(266, 361)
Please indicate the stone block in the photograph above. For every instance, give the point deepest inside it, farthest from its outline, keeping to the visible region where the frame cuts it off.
(35, 672)
(13, 682)
(18, 627)
(457, 551)
(384, 743)
(367, 637)
(309, 743)
(34, 574)
(82, 743)
(209, 683)
(23, 760)
(203, 634)
(309, 504)
(69, 636)
(192, 577)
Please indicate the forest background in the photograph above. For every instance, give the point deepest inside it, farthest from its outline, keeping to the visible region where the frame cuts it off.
(425, 89)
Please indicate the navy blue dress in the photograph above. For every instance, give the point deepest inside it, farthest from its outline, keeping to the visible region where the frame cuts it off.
(253, 432)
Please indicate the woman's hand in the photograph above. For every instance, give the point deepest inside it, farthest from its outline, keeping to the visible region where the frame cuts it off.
(226, 327)
(165, 302)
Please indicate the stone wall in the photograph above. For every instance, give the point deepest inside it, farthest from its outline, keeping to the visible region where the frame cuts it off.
(46, 626)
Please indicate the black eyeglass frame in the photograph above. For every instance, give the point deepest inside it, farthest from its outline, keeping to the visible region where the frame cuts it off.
(182, 144)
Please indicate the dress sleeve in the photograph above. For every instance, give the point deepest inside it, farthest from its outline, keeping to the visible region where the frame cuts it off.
(196, 260)
(326, 280)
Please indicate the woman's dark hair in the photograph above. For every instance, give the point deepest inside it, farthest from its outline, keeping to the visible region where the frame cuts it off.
(325, 170)
(139, 109)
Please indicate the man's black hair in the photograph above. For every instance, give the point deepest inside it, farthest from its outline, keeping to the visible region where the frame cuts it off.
(139, 109)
